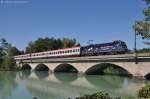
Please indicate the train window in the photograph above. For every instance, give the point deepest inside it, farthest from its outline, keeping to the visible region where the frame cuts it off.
(75, 50)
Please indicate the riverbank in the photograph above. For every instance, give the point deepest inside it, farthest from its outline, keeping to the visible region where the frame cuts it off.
(143, 93)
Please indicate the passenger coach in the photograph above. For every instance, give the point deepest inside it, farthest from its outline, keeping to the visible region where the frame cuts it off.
(67, 52)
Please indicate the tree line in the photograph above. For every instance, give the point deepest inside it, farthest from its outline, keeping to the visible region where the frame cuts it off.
(45, 44)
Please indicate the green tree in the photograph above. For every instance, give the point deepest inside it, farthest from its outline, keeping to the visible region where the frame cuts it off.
(143, 27)
(3, 49)
(68, 42)
(8, 63)
(13, 51)
(8, 60)
(45, 44)
(7, 53)
(41, 44)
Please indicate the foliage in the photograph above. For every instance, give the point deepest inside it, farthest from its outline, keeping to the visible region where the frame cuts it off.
(7, 52)
(98, 95)
(68, 42)
(44, 44)
(3, 49)
(143, 26)
(13, 51)
(144, 92)
(8, 63)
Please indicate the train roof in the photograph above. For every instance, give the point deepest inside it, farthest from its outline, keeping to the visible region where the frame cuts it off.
(104, 43)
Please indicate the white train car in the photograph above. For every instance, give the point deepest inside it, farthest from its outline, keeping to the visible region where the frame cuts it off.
(66, 52)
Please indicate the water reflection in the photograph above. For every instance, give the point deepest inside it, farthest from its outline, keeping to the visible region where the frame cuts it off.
(115, 85)
(66, 77)
(41, 74)
(45, 85)
(108, 82)
(7, 84)
(25, 74)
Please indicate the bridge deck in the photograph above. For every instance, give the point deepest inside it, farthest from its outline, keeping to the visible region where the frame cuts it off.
(104, 58)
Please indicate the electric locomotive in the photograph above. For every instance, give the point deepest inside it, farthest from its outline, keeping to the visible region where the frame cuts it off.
(115, 47)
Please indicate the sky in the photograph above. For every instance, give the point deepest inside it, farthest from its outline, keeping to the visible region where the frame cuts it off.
(22, 21)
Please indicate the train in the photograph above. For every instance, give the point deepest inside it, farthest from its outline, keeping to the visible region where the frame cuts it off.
(111, 48)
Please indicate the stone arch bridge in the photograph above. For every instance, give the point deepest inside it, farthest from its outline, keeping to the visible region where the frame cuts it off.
(89, 64)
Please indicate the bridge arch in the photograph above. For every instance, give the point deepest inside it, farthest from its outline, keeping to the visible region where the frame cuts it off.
(147, 76)
(41, 67)
(67, 68)
(26, 67)
(109, 68)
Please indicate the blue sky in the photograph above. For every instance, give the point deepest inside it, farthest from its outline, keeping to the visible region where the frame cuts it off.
(97, 20)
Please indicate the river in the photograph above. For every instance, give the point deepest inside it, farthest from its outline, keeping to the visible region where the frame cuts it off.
(45, 85)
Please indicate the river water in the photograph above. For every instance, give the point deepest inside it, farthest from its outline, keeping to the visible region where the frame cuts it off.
(45, 85)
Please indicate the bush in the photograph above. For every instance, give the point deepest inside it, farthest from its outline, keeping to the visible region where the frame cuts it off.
(144, 92)
(8, 63)
(98, 95)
